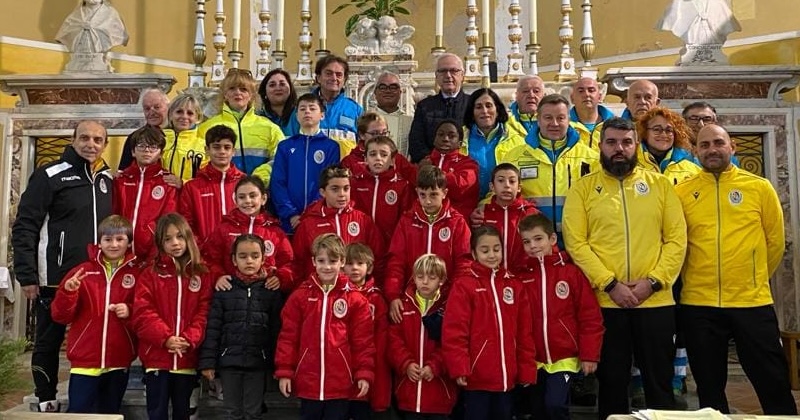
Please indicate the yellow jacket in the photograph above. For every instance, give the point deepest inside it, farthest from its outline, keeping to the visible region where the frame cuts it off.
(628, 229)
(736, 239)
(678, 165)
(538, 170)
(183, 153)
(591, 137)
(257, 143)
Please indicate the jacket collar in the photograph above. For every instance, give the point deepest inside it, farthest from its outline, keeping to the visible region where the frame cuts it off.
(134, 171)
(444, 213)
(96, 255)
(211, 173)
(236, 216)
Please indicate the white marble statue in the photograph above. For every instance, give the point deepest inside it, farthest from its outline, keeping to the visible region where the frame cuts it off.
(89, 32)
(703, 25)
(382, 36)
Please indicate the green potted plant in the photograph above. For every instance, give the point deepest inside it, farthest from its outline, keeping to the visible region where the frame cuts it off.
(372, 9)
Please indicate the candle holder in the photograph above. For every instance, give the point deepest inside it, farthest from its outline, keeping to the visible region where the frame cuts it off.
(515, 36)
(279, 54)
(587, 42)
(566, 67)
(472, 64)
(220, 42)
(323, 49)
(234, 54)
(438, 46)
(304, 73)
(197, 77)
(263, 63)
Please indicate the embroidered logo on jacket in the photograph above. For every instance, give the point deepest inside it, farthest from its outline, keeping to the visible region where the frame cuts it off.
(508, 295)
(128, 281)
(353, 228)
(340, 308)
(444, 234)
(103, 186)
(269, 248)
(319, 156)
(735, 197)
(562, 289)
(391, 197)
(158, 192)
(641, 187)
(194, 284)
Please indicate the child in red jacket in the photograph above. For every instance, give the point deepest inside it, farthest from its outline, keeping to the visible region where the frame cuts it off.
(169, 317)
(487, 338)
(334, 213)
(461, 170)
(358, 265)
(505, 210)
(141, 192)
(326, 348)
(371, 125)
(567, 323)
(430, 227)
(209, 196)
(249, 216)
(379, 190)
(422, 387)
(95, 298)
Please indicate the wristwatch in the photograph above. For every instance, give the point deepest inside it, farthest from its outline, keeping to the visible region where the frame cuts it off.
(655, 285)
(611, 286)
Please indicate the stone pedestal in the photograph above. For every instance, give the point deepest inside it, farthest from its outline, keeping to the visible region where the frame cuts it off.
(749, 105)
(50, 106)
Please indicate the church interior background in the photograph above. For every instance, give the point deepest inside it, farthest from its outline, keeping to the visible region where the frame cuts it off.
(756, 94)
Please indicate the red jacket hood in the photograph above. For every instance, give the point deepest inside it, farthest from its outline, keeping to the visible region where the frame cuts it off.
(479, 271)
(211, 173)
(453, 155)
(238, 218)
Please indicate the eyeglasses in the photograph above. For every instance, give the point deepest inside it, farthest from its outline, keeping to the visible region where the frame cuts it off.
(234, 70)
(454, 72)
(378, 133)
(694, 119)
(394, 87)
(659, 130)
(147, 148)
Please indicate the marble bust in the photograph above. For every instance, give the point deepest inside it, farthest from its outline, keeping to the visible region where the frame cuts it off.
(381, 36)
(703, 25)
(89, 32)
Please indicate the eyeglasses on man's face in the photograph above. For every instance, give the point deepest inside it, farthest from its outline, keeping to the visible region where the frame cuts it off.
(694, 119)
(392, 87)
(454, 71)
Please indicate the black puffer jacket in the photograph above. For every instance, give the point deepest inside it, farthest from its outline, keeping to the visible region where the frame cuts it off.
(243, 326)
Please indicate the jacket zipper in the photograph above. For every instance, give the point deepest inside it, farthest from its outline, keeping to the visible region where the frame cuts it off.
(505, 238)
(250, 231)
(421, 361)
(627, 232)
(61, 247)
(105, 318)
(305, 173)
(501, 330)
(92, 180)
(322, 345)
(719, 251)
(544, 311)
(136, 206)
(222, 194)
(177, 321)
(375, 197)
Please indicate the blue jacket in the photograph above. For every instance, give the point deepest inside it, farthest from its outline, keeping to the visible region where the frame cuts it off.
(341, 115)
(298, 163)
(290, 128)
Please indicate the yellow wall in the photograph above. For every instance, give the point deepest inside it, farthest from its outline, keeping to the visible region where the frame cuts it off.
(164, 29)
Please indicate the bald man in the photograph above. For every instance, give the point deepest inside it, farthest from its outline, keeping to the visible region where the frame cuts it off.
(522, 118)
(642, 96)
(586, 114)
(155, 105)
(726, 292)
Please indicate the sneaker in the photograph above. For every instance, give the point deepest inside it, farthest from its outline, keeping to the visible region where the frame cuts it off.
(52, 406)
(680, 400)
(637, 398)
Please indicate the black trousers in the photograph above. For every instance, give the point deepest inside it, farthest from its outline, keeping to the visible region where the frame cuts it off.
(551, 395)
(487, 405)
(643, 334)
(324, 410)
(244, 393)
(46, 347)
(164, 387)
(755, 332)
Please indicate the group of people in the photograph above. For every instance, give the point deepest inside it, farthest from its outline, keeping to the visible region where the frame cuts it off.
(510, 251)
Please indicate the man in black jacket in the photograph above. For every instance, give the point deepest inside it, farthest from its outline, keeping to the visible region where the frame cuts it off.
(449, 103)
(57, 218)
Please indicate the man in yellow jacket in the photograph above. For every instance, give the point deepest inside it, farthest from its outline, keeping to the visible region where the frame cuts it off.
(624, 227)
(735, 243)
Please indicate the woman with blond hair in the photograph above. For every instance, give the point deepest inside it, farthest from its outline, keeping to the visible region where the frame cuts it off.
(258, 137)
(184, 152)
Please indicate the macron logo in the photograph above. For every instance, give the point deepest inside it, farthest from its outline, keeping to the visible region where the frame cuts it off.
(70, 178)
(291, 150)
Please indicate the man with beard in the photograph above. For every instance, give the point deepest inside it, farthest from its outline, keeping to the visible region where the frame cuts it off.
(624, 227)
(726, 292)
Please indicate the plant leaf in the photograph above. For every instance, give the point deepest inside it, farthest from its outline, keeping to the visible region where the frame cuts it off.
(351, 24)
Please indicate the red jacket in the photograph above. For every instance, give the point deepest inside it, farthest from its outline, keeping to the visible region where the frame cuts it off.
(384, 197)
(350, 224)
(97, 338)
(412, 344)
(462, 179)
(487, 332)
(566, 317)
(356, 162)
(380, 392)
(326, 343)
(208, 197)
(447, 237)
(506, 219)
(170, 304)
(279, 254)
(142, 196)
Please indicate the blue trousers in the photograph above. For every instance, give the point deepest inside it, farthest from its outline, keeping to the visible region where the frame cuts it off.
(324, 410)
(97, 394)
(487, 405)
(551, 395)
(163, 387)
